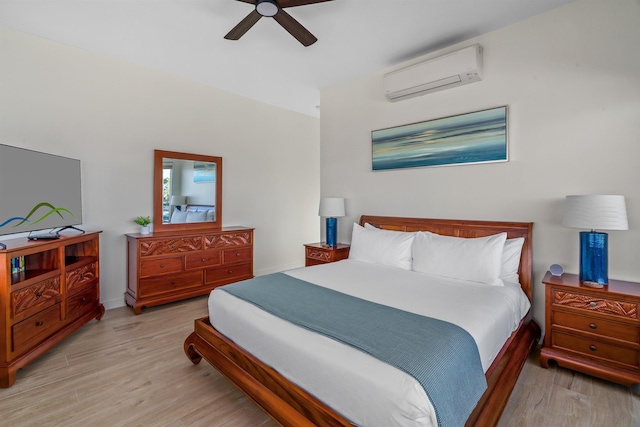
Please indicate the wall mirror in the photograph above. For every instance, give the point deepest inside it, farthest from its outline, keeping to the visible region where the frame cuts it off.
(187, 191)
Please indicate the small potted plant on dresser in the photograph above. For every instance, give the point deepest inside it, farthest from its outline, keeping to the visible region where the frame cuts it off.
(143, 222)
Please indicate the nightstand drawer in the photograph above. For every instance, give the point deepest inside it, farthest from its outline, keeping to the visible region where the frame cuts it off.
(595, 348)
(601, 305)
(596, 326)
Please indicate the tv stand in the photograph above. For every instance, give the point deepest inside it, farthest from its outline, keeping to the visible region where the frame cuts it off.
(54, 292)
(70, 227)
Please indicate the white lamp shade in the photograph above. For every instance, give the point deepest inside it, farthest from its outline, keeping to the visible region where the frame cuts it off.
(331, 207)
(604, 212)
(178, 200)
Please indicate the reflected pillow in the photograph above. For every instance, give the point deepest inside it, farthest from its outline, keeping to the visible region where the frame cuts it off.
(211, 215)
(178, 217)
(196, 216)
(386, 247)
(476, 259)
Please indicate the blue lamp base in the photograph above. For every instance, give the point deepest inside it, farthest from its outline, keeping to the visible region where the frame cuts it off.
(594, 261)
(332, 232)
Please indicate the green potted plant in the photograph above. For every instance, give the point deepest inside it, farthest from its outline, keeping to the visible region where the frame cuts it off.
(143, 222)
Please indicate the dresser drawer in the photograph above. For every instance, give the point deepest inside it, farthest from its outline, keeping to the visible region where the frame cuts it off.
(595, 304)
(203, 259)
(36, 297)
(173, 283)
(319, 255)
(78, 277)
(595, 348)
(221, 240)
(596, 326)
(82, 302)
(169, 246)
(232, 256)
(154, 267)
(36, 327)
(228, 274)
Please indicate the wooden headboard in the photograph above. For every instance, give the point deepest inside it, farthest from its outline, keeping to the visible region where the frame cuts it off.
(466, 228)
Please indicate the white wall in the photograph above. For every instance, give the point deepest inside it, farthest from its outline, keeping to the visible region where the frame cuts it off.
(571, 81)
(112, 115)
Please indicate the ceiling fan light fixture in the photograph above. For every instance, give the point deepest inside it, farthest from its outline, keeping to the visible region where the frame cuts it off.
(267, 8)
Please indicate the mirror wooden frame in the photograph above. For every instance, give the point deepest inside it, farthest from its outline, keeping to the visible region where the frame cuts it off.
(158, 225)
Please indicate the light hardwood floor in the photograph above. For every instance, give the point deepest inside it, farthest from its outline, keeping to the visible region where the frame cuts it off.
(128, 370)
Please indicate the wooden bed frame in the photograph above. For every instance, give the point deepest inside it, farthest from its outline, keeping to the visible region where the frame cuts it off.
(289, 405)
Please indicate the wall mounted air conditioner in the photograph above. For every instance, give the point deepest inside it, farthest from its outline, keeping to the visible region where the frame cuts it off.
(457, 68)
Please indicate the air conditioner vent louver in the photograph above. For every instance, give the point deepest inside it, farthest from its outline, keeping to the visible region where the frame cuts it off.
(454, 69)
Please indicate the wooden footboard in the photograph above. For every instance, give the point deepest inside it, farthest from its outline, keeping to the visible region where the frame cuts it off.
(291, 406)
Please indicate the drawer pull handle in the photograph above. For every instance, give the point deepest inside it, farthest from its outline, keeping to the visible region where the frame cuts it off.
(593, 304)
(204, 260)
(593, 347)
(237, 253)
(83, 299)
(593, 326)
(39, 323)
(173, 246)
(161, 265)
(230, 272)
(173, 282)
(39, 294)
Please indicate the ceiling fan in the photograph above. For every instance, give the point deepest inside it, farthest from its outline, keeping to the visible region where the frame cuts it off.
(274, 9)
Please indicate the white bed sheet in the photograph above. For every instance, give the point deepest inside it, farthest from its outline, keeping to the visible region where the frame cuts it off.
(361, 388)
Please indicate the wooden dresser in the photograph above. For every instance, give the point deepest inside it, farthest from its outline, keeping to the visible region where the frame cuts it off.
(49, 289)
(595, 331)
(166, 267)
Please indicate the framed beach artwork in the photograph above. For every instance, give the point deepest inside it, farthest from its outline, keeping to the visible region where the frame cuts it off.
(204, 172)
(478, 137)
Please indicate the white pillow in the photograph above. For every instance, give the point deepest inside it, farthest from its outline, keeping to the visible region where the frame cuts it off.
(476, 259)
(211, 214)
(511, 259)
(199, 216)
(386, 247)
(178, 217)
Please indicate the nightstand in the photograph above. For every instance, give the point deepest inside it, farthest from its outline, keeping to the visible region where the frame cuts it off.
(594, 331)
(320, 253)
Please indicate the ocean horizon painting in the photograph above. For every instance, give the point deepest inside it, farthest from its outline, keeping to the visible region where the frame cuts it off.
(478, 137)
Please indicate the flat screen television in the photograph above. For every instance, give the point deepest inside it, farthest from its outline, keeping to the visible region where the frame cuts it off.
(38, 191)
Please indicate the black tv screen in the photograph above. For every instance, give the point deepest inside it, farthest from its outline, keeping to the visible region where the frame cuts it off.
(38, 191)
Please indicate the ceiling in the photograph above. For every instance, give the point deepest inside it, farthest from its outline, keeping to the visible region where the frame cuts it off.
(185, 38)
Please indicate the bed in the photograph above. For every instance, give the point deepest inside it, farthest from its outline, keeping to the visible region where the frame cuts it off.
(290, 404)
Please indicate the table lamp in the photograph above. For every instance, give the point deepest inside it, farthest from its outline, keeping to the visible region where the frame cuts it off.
(331, 208)
(604, 212)
(178, 201)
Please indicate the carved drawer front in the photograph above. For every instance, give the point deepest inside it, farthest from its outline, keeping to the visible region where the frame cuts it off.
(203, 259)
(173, 283)
(169, 246)
(36, 296)
(154, 267)
(36, 327)
(80, 276)
(228, 239)
(318, 255)
(596, 304)
(229, 273)
(81, 303)
(594, 348)
(597, 326)
(231, 256)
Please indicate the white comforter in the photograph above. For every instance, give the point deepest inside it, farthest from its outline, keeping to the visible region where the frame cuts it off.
(358, 386)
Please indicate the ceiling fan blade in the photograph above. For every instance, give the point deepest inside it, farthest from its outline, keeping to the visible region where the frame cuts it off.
(244, 26)
(293, 3)
(295, 28)
(248, 1)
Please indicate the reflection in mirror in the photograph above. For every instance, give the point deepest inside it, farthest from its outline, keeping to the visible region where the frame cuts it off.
(187, 191)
